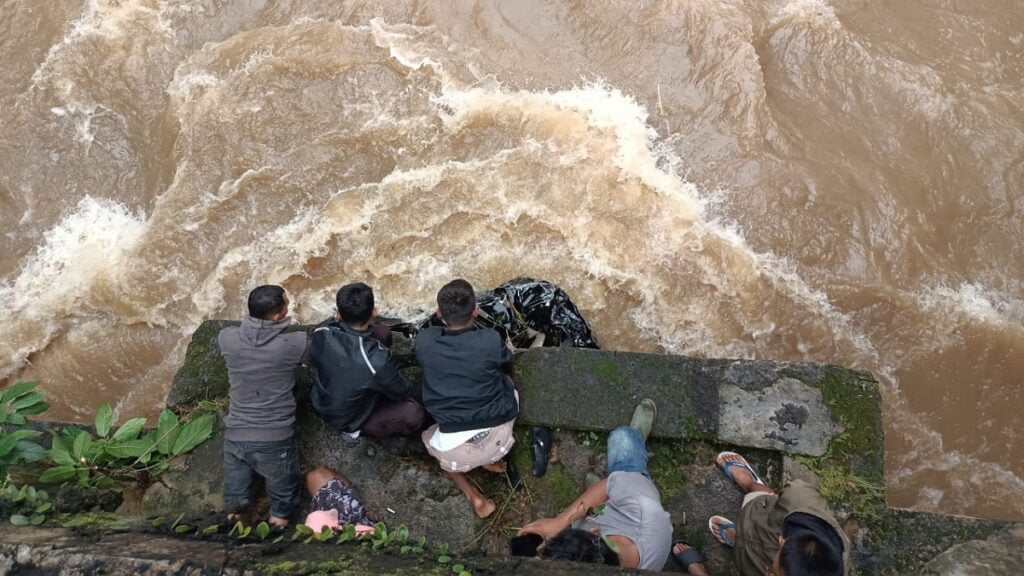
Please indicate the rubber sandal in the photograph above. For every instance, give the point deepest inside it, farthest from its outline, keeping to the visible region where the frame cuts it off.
(690, 556)
(726, 466)
(718, 529)
(541, 450)
(512, 475)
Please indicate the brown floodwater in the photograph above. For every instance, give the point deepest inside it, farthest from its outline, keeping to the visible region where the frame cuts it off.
(821, 180)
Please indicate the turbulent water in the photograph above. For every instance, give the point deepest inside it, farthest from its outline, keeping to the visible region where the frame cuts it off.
(831, 181)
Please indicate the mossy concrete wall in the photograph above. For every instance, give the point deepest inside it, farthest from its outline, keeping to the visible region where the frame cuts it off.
(790, 419)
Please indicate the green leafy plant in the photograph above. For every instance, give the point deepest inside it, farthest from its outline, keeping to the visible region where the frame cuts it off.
(442, 555)
(262, 530)
(126, 453)
(302, 531)
(348, 533)
(30, 505)
(17, 402)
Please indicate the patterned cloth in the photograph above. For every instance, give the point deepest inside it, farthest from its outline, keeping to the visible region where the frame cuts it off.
(338, 496)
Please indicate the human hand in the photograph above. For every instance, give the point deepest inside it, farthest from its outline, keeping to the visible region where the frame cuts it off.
(545, 527)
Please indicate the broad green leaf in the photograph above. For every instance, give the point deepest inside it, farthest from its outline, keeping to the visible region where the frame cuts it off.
(458, 568)
(159, 521)
(465, 573)
(379, 543)
(166, 431)
(44, 507)
(210, 530)
(405, 549)
(83, 477)
(245, 532)
(9, 441)
(182, 528)
(15, 419)
(262, 530)
(61, 456)
(82, 442)
(30, 494)
(19, 520)
(194, 433)
(444, 559)
(237, 528)
(131, 448)
(30, 451)
(26, 401)
(129, 430)
(60, 441)
(104, 420)
(402, 534)
(17, 390)
(38, 519)
(37, 408)
(57, 474)
(304, 530)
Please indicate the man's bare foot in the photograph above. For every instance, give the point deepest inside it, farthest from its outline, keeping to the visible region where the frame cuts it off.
(692, 568)
(278, 522)
(741, 472)
(484, 508)
(234, 517)
(498, 467)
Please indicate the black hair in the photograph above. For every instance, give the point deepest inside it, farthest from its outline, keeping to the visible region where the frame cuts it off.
(805, 554)
(265, 300)
(456, 300)
(573, 544)
(355, 303)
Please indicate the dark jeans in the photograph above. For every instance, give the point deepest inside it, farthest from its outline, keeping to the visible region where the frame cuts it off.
(275, 461)
(394, 418)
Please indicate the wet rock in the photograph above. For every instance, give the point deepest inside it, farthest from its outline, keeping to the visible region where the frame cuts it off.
(1002, 553)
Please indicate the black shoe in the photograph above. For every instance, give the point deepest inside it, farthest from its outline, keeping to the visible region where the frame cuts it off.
(541, 450)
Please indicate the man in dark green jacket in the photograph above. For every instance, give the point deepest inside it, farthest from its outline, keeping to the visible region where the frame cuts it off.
(792, 533)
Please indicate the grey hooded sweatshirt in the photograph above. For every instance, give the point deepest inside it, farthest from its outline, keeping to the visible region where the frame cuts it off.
(261, 370)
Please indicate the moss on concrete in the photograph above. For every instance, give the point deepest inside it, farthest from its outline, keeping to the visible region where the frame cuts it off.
(203, 376)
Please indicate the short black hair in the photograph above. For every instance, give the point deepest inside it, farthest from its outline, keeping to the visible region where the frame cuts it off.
(456, 300)
(355, 303)
(806, 554)
(573, 544)
(265, 300)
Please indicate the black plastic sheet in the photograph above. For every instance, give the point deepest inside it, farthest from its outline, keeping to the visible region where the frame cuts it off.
(523, 307)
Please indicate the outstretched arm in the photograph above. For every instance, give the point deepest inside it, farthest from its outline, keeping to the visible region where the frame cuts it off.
(550, 527)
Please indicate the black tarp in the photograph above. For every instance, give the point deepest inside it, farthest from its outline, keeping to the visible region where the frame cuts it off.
(522, 305)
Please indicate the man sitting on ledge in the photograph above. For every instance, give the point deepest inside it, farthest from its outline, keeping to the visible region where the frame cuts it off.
(467, 392)
(634, 531)
(260, 425)
(357, 387)
(787, 534)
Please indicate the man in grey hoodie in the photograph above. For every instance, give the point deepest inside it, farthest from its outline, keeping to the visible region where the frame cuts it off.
(260, 425)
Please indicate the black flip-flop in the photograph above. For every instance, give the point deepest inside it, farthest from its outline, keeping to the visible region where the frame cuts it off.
(541, 450)
(690, 556)
(512, 475)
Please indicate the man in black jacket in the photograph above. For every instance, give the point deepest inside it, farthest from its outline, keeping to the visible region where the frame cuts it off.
(466, 391)
(357, 387)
